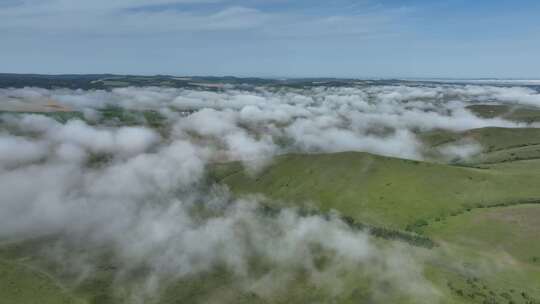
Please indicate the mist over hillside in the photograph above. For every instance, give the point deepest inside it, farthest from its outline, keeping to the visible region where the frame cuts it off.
(269, 152)
(126, 175)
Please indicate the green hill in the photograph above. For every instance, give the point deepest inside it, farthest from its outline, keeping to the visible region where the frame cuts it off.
(514, 113)
(498, 144)
(485, 221)
(21, 284)
(383, 191)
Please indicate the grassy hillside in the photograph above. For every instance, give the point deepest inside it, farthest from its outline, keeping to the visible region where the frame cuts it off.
(23, 285)
(486, 230)
(491, 138)
(514, 113)
(498, 144)
(383, 191)
(499, 247)
(512, 229)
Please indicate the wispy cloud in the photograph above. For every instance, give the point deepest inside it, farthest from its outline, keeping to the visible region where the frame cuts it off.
(117, 18)
(35, 7)
(141, 17)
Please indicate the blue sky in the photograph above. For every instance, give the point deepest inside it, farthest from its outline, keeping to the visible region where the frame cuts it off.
(273, 38)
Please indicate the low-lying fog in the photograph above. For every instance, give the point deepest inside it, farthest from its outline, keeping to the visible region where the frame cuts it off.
(143, 198)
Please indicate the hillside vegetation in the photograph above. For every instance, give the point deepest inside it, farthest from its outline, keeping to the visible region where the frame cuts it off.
(383, 191)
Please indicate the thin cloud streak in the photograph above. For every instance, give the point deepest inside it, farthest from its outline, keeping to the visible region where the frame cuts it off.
(105, 19)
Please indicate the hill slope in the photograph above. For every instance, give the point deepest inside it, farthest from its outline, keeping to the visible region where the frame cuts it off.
(380, 190)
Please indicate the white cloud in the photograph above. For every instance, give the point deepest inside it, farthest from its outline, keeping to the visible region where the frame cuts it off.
(144, 209)
(54, 6)
(145, 201)
(124, 17)
(244, 125)
(143, 17)
(461, 150)
(124, 141)
(15, 150)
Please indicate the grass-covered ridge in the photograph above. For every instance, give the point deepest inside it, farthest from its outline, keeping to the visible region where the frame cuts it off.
(495, 144)
(19, 283)
(513, 113)
(484, 219)
(383, 191)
